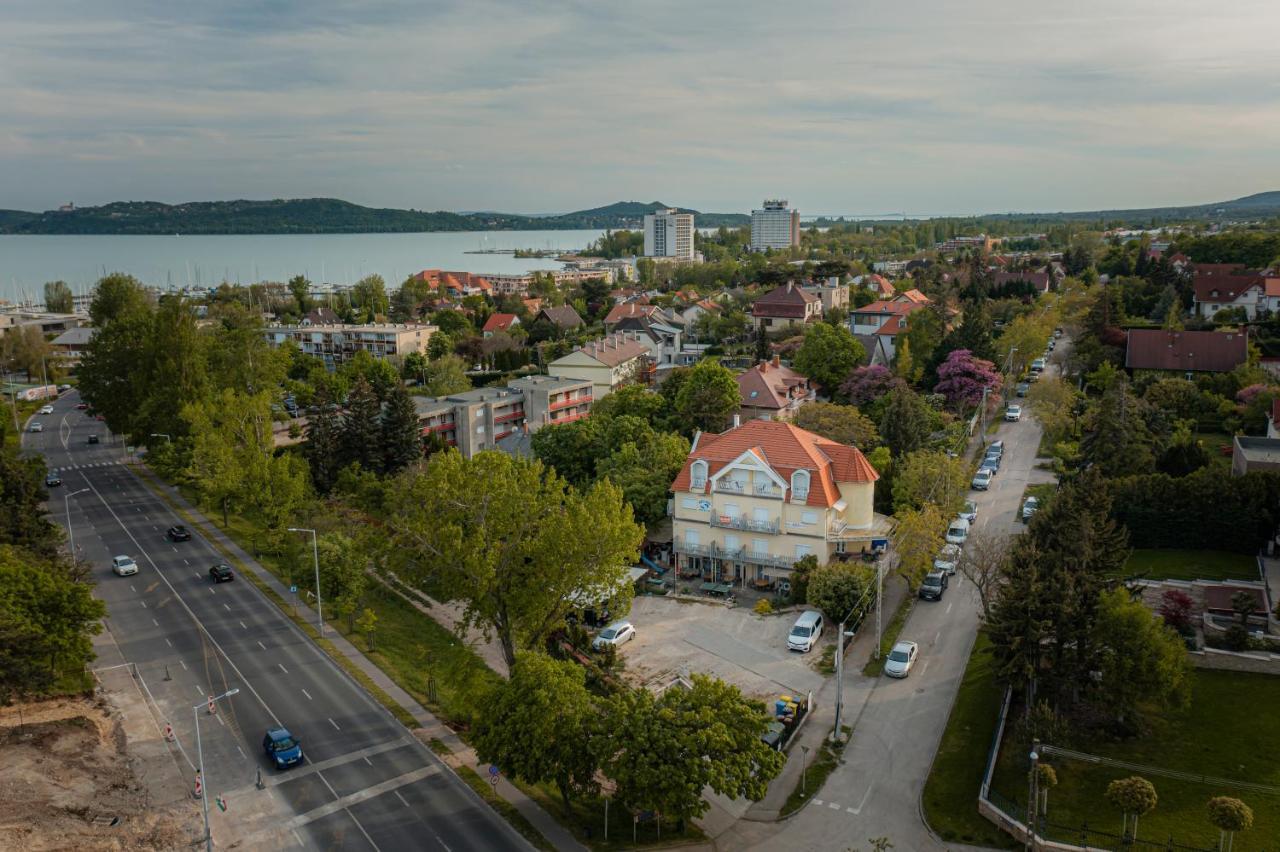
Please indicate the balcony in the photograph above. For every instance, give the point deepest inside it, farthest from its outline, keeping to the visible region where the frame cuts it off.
(881, 528)
(741, 554)
(511, 415)
(442, 427)
(748, 524)
(565, 403)
(765, 489)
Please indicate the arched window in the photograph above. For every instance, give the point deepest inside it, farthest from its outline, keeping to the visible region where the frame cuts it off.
(800, 485)
(698, 475)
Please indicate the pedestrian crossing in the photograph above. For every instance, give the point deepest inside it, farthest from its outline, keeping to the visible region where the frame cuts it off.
(88, 465)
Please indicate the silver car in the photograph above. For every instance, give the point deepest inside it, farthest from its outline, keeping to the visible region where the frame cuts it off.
(982, 480)
(901, 659)
(615, 634)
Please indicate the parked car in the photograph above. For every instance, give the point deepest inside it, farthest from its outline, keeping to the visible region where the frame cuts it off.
(805, 632)
(933, 587)
(93, 439)
(36, 426)
(1023, 388)
(947, 558)
(46, 409)
(178, 533)
(958, 532)
(996, 447)
(81, 406)
(221, 573)
(63, 388)
(1038, 365)
(1013, 413)
(282, 747)
(1029, 508)
(124, 566)
(901, 659)
(1052, 345)
(982, 479)
(992, 463)
(615, 634)
(52, 480)
(1057, 332)
(969, 512)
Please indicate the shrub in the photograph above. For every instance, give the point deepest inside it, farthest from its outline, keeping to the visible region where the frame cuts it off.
(1175, 609)
(1236, 638)
(763, 607)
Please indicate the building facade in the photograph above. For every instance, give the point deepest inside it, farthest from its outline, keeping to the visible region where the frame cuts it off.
(335, 344)
(751, 501)
(487, 418)
(668, 233)
(771, 391)
(607, 363)
(787, 306)
(774, 226)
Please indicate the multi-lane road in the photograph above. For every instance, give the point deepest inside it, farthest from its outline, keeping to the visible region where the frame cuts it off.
(367, 783)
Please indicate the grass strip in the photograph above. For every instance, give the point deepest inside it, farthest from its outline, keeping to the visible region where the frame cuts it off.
(585, 821)
(508, 811)
(814, 776)
(875, 665)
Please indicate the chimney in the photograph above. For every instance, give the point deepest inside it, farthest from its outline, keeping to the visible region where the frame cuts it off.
(790, 286)
(777, 360)
(737, 421)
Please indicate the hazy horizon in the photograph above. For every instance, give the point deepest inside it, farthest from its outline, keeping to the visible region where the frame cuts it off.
(928, 108)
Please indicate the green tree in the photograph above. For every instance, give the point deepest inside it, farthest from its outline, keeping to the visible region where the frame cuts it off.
(707, 397)
(917, 538)
(843, 424)
(369, 295)
(540, 725)
(23, 520)
(511, 541)
(905, 422)
(644, 471)
(300, 289)
(58, 297)
(837, 587)
(401, 439)
(928, 476)
(362, 428)
(445, 375)
(344, 577)
(1116, 437)
(176, 372)
(110, 375)
(1133, 795)
(380, 373)
(367, 624)
(1054, 402)
(632, 400)
(1229, 815)
(571, 449)
(452, 323)
(828, 354)
(323, 449)
(413, 291)
(1140, 658)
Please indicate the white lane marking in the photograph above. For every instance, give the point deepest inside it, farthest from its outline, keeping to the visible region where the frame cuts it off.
(308, 694)
(260, 645)
(924, 668)
(282, 668)
(833, 806)
(167, 642)
(184, 665)
(443, 845)
(132, 589)
(936, 637)
(402, 801)
(219, 718)
(863, 803)
(817, 801)
(297, 837)
(199, 689)
(948, 612)
(156, 528)
(212, 591)
(175, 550)
(335, 724)
(188, 562)
(227, 606)
(242, 754)
(144, 604)
(368, 761)
(242, 627)
(156, 623)
(197, 576)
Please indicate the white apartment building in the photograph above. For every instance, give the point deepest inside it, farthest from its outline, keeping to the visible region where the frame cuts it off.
(337, 343)
(668, 233)
(775, 226)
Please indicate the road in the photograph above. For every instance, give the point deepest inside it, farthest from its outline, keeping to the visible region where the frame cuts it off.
(367, 784)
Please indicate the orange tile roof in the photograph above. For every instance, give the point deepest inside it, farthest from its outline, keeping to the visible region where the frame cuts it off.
(770, 383)
(786, 449)
(500, 322)
(885, 307)
(629, 309)
(913, 295)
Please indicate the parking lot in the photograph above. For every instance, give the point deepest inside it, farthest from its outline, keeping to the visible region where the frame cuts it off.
(676, 638)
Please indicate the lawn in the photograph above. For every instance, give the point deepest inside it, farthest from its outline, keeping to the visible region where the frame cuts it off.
(1220, 734)
(1192, 565)
(586, 821)
(1214, 443)
(951, 791)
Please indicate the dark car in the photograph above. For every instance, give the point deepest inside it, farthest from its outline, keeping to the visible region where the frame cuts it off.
(221, 573)
(1023, 387)
(178, 533)
(935, 583)
(81, 406)
(282, 747)
(52, 480)
(93, 439)
(992, 461)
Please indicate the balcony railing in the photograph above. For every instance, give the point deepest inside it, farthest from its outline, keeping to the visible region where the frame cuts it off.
(511, 415)
(728, 486)
(442, 427)
(741, 554)
(565, 403)
(751, 525)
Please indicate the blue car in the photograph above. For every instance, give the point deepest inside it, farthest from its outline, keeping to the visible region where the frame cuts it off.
(282, 747)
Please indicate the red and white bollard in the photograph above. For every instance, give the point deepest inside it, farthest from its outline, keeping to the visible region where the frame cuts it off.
(168, 732)
(211, 710)
(199, 791)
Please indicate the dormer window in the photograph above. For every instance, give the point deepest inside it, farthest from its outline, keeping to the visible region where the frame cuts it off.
(799, 486)
(698, 476)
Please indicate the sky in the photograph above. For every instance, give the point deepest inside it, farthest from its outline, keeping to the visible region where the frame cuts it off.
(922, 107)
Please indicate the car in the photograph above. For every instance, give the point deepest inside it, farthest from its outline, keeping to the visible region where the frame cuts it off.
(63, 388)
(1057, 332)
(46, 409)
(124, 566)
(1038, 365)
(1023, 388)
(996, 446)
(178, 533)
(805, 632)
(970, 511)
(1030, 507)
(981, 479)
(958, 532)
(93, 439)
(901, 659)
(947, 558)
(36, 426)
(992, 463)
(615, 634)
(52, 480)
(1013, 413)
(1052, 345)
(933, 587)
(81, 406)
(221, 573)
(283, 748)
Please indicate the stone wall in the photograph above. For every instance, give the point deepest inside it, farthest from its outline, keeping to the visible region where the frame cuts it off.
(1255, 661)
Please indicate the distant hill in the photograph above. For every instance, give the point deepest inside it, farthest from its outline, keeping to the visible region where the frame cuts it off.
(315, 216)
(1260, 205)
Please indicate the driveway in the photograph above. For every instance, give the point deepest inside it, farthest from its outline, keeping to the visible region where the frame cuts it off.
(678, 637)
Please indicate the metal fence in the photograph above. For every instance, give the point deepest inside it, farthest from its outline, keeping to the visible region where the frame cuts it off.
(1087, 837)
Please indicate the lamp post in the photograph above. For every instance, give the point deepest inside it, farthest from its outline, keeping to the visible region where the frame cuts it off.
(204, 781)
(168, 439)
(71, 535)
(1035, 795)
(841, 635)
(315, 553)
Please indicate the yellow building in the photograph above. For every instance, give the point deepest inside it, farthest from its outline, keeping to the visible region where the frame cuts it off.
(608, 363)
(751, 501)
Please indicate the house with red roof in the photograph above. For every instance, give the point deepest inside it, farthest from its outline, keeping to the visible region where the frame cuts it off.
(877, 284)
(457, 283)
(887, 319)
(1185, 352)
(1227, 285)
(751, 501)
(639, 309)
(499, 322)
(771, 391)
(788, 306)
(1041, 281)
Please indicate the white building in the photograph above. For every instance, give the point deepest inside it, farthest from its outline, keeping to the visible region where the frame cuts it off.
(668, 233)
(775, 226)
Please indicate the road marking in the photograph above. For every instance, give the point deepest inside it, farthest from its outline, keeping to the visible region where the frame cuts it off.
(260, 645)
(936, 637)
(308, 694)
(861, 804)
(924, 668)
(175, 550)
(368, 761)
(220, 722)
(188, 562)
(817, 801)
(948, 612)
(335, 724)
(441, 842)
(154, 527)
(242, 754)
(199, 689)
(212, 590)
(156, 623)
(833, 806)
(144, 604)
(282, 668)
(184, 665)
(132, 589)
(341, 760)
(242, 627)
(406, 804)
(226, 606)
(167, 642)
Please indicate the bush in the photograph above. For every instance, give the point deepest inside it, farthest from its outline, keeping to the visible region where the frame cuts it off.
(1236, 638)
(763, 607)
(1175, 609)
(1201, 511)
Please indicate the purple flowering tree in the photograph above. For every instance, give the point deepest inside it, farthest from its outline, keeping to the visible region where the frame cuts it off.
(962, 378)
(867, 384)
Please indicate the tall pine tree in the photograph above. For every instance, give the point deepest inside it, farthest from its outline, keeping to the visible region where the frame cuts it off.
(323, 448)
(362, 428)
(401, 441)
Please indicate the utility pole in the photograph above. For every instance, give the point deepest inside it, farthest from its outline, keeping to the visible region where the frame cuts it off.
(1035, 794)
(201, 779)
(315, 553)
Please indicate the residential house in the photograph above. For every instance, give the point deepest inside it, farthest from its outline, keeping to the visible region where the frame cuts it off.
(752, 500)
(831, 293)
(1249, 455)
(787, 307)
(532, 304)
(563, 316)
(771, 391)
(499, 322)
(877, 284)
(697, 310)
(335, 344)
(1185, 352)
(1042, 281)
(321, 316)
(456, 283)
(640, 307)
(72, 343)
(886, 319)
(874, 345)
(1227, 285)
(659, 330)
(608, 363)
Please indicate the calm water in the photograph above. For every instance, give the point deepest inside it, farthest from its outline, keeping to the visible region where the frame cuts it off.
(26, 262)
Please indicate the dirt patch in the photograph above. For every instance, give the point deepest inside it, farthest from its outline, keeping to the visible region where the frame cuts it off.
(66, 773)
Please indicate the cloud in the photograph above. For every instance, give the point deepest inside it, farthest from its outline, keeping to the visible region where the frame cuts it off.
(922, 105)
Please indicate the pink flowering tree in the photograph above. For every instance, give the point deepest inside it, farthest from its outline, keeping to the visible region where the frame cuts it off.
(867, 384)
(962, 378)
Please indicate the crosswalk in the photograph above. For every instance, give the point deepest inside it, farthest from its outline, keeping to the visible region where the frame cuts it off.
(89, 465)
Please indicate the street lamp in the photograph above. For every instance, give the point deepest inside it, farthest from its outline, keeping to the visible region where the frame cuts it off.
(841, 635)
(168, 439)
(71, 535)
(204, 781)
(315, 553)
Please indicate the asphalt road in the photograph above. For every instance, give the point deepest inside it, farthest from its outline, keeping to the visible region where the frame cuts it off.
(367, 783)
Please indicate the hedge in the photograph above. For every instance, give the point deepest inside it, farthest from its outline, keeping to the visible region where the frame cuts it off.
(1203, 511)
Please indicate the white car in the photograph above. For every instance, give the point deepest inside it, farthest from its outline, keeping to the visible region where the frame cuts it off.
(970, 511)
(981, 479)
(947, 558)
(46, 409)
(1013, 413)
(1029, 508)
(124, 566)
(36, 426)
(615, 634)
(901, 659)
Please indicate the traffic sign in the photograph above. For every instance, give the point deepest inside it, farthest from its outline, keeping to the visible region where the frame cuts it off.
(293, 589)
(211, 710)
(493, 770)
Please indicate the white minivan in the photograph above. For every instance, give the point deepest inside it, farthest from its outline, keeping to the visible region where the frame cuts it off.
(806, 632)
(958, 532)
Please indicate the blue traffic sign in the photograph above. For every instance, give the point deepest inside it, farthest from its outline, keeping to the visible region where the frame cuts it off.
(293, 589)
(493, 770)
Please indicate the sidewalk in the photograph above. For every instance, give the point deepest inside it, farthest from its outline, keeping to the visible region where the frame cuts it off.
(822, 717)
(430, 728)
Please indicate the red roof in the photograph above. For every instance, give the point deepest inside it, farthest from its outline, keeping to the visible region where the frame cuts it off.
(1201, 351)
(786, 449)
(913, 295)
(768, 385)
(884, 307)
(882, 285)
(457, 281)
(787, 301)
(1223, 283)
(628, 310)
(500, 322)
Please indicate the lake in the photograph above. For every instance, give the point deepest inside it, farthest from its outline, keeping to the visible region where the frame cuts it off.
(27, 262)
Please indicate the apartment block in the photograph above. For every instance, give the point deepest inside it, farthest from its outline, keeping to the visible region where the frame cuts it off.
(337, 343)
(774, 226)
(608, 363)
(668, 233)
(488, 418)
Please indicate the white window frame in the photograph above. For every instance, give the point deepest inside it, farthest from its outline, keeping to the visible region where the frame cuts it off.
(799, 478)
(698, 474)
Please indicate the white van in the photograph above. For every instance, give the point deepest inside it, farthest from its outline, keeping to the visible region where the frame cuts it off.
(806, 632)
(958, 532)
